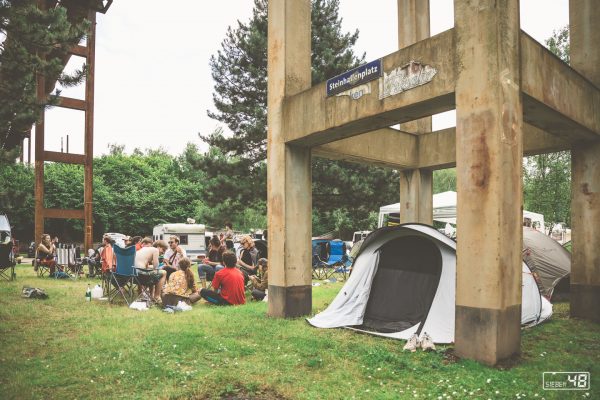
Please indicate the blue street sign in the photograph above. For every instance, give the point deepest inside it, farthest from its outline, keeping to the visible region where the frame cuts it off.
(354, 77)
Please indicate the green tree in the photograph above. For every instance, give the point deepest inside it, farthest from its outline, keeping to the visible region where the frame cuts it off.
(547, 177)
(444, 180)
(36, 42)
(239, 70)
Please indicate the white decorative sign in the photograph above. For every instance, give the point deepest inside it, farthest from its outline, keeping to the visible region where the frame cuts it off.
(405, 78)
(357, 92)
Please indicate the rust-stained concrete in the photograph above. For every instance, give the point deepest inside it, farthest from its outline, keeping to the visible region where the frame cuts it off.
(289, 191)
(512, 96)
(489, 157)
(585, 171)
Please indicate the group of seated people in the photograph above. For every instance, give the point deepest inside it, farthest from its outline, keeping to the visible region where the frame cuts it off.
(166, 271)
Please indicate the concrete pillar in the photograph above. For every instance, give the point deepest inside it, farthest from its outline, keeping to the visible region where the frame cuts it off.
(416, 198)
(416, 186)
(585, 171)
(488, 164)
(289, 188)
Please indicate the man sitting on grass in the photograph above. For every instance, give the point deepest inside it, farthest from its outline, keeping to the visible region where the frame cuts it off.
(228, 284)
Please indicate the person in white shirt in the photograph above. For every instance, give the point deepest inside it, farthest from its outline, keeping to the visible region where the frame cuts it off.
(173, 255)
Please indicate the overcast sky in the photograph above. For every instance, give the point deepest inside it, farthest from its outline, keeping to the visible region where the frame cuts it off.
(153, 82)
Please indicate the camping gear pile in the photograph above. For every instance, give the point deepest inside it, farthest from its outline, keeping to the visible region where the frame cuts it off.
(404, 282)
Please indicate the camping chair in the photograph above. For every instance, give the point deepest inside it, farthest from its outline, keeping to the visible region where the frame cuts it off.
(122, 280)
(7, 262)
(144, 283)
(74, 265)
(41, 268)
(335, 262)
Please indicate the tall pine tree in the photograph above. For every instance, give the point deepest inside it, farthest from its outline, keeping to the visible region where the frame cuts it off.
(36, 41)
(239, 70)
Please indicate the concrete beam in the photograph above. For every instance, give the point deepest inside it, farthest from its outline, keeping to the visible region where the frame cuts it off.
(437, 150)
(556, 98)
(384, 147)
(313, 119)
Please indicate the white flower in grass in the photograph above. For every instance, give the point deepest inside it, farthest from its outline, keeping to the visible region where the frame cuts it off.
(91, 381)
(488, 381)
(497, 392)
(174, 345)
(122, 372)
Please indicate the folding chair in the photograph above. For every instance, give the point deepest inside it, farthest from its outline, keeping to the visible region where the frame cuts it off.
(144, 283)
(62, 259)
(7, 262)
(337, 261)
(122, 281)
(74, 267)
(41, 268)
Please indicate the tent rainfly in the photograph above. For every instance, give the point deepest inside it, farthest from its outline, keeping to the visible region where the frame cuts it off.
(546, 258)
(403, 282)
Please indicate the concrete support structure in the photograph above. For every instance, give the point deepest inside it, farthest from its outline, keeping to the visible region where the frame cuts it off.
(289, 189)
(512, 97)
(416, 185)
(489, 155)
(585, 158)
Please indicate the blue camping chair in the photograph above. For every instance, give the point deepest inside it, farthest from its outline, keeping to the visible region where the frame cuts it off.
(329, 258)
(7, 262)
(122, 281)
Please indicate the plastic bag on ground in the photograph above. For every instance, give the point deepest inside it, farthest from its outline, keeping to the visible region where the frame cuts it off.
(139, 305)
(183, 306)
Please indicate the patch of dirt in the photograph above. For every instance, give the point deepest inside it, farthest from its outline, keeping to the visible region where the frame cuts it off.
(449, 356)
(509, 363)
(242, 393)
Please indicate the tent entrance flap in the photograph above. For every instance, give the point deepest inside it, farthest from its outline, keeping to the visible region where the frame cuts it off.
(405, 284)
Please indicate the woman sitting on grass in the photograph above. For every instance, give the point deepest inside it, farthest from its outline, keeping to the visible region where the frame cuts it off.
(181, 286)
(247, 261)
(213, 263)
(260, 283)
(228, 284)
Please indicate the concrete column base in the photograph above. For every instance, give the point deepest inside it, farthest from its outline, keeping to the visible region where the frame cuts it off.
(488, 335)
(290, 302)
(585, 301)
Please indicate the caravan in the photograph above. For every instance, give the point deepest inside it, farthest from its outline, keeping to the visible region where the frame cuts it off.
(191, 237)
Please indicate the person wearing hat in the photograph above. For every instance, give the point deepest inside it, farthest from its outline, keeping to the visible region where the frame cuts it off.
(260, 282)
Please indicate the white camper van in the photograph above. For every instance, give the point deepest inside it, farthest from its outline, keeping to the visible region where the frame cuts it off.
(191, 237)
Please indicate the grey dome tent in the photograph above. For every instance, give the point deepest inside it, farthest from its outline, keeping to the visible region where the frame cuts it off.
(403, 282)
(546, 258)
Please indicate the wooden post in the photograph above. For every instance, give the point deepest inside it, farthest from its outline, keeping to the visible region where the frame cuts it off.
(89, 135)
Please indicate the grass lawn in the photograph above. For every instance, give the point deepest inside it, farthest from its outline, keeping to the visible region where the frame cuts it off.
(66, 348)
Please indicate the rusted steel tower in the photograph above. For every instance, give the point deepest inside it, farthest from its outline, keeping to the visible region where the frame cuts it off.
(77, 10)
